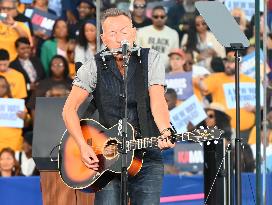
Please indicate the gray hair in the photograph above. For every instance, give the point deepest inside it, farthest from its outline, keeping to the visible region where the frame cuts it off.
(114, 12)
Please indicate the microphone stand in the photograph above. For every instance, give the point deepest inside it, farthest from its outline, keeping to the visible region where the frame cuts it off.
(238, 184)
(124, 172)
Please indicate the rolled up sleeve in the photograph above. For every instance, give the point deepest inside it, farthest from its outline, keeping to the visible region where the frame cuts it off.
(156, 69)
(86, 77)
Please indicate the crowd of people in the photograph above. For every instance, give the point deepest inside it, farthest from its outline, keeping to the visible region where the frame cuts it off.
(35, 64)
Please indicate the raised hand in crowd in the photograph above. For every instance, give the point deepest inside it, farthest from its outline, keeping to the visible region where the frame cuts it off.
(41, 34)
(71, 19)
(25, 117)
(9, 21)
(250, 108)
(22, 114)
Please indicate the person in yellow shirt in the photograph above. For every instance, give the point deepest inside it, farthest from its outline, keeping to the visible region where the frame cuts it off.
(214, 84)
(11, 27)
(252, 135)
(10, 137)
(14, 78)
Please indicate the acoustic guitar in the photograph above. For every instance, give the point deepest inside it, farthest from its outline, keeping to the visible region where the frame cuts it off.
(106, 144)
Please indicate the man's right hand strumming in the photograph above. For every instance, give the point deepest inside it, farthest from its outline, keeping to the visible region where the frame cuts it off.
(76, 97)
(89, 157)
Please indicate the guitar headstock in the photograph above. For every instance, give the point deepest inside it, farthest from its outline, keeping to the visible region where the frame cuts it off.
(203, 135)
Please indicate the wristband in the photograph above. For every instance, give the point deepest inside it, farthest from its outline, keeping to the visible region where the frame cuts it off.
(171, 129)
(165, 129)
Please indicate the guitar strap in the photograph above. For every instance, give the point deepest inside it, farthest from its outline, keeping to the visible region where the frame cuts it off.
(141, 93)
(90, 109)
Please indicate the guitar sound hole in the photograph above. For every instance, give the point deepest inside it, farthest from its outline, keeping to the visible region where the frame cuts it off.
(110, 150)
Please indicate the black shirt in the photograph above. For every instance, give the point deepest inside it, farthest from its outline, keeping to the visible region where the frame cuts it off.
(22, 18)
(146, 22)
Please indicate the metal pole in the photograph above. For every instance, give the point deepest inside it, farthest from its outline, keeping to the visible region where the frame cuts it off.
(238, 186)
(98, 32)
(258, 128)
(265, 83)
(124, 172)
(229, 176)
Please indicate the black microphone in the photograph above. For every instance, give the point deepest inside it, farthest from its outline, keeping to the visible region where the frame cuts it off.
(125, 47)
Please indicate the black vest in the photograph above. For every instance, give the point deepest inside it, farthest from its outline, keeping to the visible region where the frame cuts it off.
(109, 91)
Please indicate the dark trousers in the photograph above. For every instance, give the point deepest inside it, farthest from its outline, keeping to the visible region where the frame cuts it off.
(143, 189)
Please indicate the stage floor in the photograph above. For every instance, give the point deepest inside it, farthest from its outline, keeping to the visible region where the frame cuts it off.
(177, 190)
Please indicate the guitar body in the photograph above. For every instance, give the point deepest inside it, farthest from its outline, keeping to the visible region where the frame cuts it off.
(104, 142)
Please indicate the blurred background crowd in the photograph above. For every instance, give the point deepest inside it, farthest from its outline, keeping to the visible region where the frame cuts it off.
(39, 60)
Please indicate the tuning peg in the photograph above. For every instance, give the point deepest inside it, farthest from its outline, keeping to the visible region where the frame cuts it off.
(208, 142)
(201, 127)
(201, 144)
(215, 142)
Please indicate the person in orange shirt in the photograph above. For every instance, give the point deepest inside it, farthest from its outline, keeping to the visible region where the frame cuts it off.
(214, 85)
(15, 78)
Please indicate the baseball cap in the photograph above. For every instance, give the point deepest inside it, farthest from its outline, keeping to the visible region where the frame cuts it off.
(177, 51)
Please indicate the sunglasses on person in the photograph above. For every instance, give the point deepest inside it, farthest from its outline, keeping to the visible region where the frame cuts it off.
(139, 6)
(7, 8)
(158, 16)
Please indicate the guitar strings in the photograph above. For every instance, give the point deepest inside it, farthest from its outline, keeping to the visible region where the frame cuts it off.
(152, 140)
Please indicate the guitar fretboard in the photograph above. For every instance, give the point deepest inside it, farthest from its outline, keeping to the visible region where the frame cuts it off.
(196, 136)
(149, 142)
(142, 143)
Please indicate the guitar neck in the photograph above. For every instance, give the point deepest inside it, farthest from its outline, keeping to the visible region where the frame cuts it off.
(151, 142)
(147, 142)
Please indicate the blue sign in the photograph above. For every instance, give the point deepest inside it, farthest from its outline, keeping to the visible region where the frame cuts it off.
(9, 107)
(26, 1)
(41, 21)
(248, 64)
(182, 83)
(189, 157)
(247, 94)
(189, 111)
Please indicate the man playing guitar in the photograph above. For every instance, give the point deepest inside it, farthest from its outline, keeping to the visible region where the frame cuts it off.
(102, 78)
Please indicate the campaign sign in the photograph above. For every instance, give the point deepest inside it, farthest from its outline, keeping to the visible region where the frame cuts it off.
(8, 110)
(189, 111)
(41, 21)
(247, 94)
(248, 64)
(189, 157)
(26, 1)
(181, 82)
